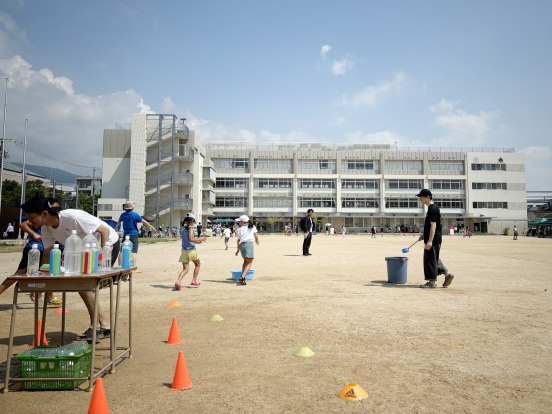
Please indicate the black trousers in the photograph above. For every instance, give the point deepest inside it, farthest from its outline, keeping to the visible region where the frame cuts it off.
(431, 262)
(307, 243)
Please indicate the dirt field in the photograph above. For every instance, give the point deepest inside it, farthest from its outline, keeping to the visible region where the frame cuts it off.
(482, 345)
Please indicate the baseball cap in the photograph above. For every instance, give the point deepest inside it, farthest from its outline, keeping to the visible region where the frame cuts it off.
(424, 193)
(243, 218)
(190, 215)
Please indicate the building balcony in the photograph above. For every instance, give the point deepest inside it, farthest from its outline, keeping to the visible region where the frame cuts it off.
(183, 178)
(209, 197)
(209, 174)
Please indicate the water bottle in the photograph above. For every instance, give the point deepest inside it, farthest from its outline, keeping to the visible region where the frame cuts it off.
(127, 239)
(89, 238)
(55, 260)
(106, 256)
(33, 262)
(94, 253)
(85, 260)
(72, 255)
(126, 256)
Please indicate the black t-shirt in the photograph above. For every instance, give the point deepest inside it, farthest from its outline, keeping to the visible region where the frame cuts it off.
(433, 215)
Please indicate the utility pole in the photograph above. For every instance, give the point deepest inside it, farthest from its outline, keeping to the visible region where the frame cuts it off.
(93, 182)
(23, 180)
(3, 154)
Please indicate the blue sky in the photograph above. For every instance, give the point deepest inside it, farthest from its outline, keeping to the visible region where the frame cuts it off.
(418, 73)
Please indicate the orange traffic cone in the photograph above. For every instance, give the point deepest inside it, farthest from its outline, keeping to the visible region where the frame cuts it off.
(174, 335)
(60, 310)
(98, 404)
(44, 342)
(181, 380)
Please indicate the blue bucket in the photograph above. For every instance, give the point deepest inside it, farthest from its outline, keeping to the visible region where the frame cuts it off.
(236, 274)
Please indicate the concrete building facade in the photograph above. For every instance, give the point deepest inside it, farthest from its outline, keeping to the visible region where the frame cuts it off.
(365, 185)
(159, 165)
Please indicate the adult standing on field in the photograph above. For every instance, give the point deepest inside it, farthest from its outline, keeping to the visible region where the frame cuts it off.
(307, 226)
(432, 238)
(130, 221)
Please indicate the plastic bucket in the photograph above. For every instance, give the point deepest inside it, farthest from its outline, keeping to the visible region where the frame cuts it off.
(236, 274)
(396, 269)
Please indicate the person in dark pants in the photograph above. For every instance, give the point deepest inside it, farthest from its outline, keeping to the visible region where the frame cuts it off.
(432, 239)
(307, 226)
(199, 229)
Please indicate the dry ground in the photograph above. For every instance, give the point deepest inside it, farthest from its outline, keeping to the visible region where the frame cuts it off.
(482, 345)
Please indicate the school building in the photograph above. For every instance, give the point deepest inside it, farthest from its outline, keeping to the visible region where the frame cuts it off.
(159, 164)
(365, 185)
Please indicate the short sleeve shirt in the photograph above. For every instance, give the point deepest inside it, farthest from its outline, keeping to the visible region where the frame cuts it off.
(246, 234)
(433, 215)
(77, 220)
(130, 221)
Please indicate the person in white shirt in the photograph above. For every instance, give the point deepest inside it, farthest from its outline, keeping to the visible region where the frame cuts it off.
(58, 225)
(226, 234)
(246, 235)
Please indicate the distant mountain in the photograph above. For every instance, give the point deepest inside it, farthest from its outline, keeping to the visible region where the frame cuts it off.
(50, 173)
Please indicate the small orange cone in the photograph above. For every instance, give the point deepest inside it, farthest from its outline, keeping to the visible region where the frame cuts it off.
(352, 392)
(60, 310)
(98, 404)
(175, 303)
(181, 380)
(174, 335)
(44, 342)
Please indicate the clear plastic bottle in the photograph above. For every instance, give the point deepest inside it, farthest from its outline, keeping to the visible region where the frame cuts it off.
(33, 262)
(94, 253)
(106, 257)
(89, 238)
(55, 260)
(85, 260)
(131, 245)
(72, 255)
(126, 256)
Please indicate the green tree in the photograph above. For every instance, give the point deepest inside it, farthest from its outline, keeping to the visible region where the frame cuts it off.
(35, 188)
(11, 194)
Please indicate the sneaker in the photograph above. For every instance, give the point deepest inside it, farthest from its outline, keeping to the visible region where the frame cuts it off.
(195, 283)
(177, 285)
(106, 332)
(429, 285)
(55, 302)
(448, 280)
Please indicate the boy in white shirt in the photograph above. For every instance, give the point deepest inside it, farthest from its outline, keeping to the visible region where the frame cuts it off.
(58, 225)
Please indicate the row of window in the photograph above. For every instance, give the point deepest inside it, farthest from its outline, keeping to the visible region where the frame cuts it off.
(312, 202)
(391, 165)
(489, 186)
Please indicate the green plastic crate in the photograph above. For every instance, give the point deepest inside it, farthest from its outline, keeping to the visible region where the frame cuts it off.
(62, 366)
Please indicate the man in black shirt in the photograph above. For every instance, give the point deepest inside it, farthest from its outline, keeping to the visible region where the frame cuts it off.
(432, 239)
(307, 226)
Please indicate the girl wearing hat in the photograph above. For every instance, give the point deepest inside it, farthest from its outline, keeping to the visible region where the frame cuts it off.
(246, 234)
(189, 252)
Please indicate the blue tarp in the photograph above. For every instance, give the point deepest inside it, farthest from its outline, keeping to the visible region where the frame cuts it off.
(111, 223)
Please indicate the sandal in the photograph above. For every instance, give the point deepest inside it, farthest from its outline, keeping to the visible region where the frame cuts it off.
(55, 302)
(85, 334)
(242, 281)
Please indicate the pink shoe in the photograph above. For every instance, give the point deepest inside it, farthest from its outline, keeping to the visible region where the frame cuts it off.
(195, 283)
(177, 285)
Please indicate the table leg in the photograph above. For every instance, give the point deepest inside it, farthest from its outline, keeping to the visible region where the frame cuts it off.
(63, 320)
(10, 341)
(43, 333)
(94, 325)
(113, 327)
(35, 339)
(130, 315)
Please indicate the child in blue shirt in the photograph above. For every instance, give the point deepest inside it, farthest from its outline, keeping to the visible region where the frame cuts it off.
(189, 252)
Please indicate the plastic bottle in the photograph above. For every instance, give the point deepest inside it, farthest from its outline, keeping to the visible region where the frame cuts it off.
(106, 257)
(72, 255)
(85, 260)
(33, 262)
(89, 238)
(126, 255)
(94, 253)
(127, 239)
(55, 260)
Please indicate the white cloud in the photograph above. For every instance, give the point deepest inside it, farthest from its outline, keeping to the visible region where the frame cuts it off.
(380, 137)
(168, 105)
(324, 51)
(372, 95)
(340, 67)
(461, 128)
(537, 167)
(62, 123)
(11, 36)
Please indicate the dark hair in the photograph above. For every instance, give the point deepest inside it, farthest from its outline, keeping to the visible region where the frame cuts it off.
(35, 205)
(187, 221)
(52, 200)
(309, 210)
